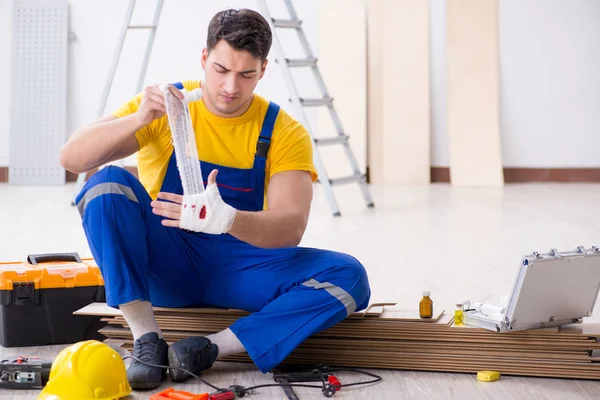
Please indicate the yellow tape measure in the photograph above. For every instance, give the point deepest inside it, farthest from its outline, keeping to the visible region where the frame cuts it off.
(488, 376)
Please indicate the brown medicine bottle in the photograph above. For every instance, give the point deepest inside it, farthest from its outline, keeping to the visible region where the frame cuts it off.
(426, 306)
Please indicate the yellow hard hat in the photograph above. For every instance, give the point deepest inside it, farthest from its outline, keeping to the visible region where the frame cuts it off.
(88, 370)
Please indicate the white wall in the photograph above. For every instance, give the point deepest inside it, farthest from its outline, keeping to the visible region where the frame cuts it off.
(550, 92)
(549, 83)
(549, 63)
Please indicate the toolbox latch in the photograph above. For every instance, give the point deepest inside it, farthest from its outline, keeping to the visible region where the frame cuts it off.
(24, 294)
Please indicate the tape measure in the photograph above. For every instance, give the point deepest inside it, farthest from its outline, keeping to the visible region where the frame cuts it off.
(488, 376)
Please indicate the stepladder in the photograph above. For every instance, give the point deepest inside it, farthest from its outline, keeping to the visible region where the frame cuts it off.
(300, 103)
(125, 28)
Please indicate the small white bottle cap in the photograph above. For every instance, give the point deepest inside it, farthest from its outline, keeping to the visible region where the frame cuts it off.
(426, 293)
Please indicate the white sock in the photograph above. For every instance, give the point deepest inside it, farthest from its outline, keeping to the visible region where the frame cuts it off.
(227, 343)
(140, 318)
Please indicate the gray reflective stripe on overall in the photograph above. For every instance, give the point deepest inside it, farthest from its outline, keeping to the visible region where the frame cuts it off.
(337, 292)
(105, 188)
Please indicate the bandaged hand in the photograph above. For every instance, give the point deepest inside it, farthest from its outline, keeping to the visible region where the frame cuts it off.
(203, 212)
(206, 212)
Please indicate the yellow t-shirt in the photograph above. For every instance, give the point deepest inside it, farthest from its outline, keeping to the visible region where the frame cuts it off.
(224, 141)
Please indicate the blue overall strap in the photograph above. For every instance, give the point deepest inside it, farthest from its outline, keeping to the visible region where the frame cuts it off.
(264, 139)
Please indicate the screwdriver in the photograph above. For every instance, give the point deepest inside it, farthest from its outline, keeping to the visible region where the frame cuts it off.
(222, 396)
(172, 394)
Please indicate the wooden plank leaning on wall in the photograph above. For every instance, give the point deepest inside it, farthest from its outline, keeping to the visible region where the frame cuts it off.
(398, 92)
(343, 63)
(473, 93)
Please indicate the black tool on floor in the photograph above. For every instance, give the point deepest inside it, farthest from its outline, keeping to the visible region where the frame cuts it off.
(288, 390)
(24, 372)
(321, 373)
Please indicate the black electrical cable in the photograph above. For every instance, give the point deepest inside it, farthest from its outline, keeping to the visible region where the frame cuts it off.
(358, 371)
(244, 390)
(377, 379)
(181, 369)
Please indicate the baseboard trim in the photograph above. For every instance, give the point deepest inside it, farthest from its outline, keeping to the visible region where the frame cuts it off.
(69, 176)
(442, 175)
(527, 175)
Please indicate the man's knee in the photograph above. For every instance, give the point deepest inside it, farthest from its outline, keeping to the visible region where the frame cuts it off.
(109, 180)
(110, 174)
(362, 290)
(355, 277)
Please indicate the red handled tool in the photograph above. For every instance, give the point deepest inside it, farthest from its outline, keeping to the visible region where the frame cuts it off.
(172, 394)
(222, 396)
(335, 382)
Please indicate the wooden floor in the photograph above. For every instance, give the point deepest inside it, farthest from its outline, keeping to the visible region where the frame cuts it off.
(458, 243)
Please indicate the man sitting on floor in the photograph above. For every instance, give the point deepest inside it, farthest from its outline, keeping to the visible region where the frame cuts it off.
(248, 257)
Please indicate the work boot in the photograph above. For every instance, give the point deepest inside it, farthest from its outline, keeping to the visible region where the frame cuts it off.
(151, 349)
(194, 354)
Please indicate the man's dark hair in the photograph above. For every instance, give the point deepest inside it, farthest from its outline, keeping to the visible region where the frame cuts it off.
(243, 29)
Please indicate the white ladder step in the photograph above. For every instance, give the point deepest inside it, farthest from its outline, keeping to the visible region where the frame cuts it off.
(142, 26)
(332, 140)
(348, 179)
(301, 62)
(323, 101)
(287, 23)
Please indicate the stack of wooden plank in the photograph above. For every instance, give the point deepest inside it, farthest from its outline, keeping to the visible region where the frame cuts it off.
(391, 338)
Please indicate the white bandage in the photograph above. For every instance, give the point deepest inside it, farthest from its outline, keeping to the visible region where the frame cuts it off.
(184, 138)
(206, 212)
(202, 210)
(192, 95)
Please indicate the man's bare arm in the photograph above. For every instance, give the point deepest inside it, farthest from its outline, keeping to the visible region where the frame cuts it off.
(109, 138)
(106, 140)
(289, 197)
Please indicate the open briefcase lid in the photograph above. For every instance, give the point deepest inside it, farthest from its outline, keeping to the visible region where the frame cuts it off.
(553, 289)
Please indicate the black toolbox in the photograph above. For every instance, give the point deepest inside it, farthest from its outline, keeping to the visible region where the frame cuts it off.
(38, 298)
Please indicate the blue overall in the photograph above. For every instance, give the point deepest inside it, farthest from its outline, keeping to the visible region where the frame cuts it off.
(291, 293)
